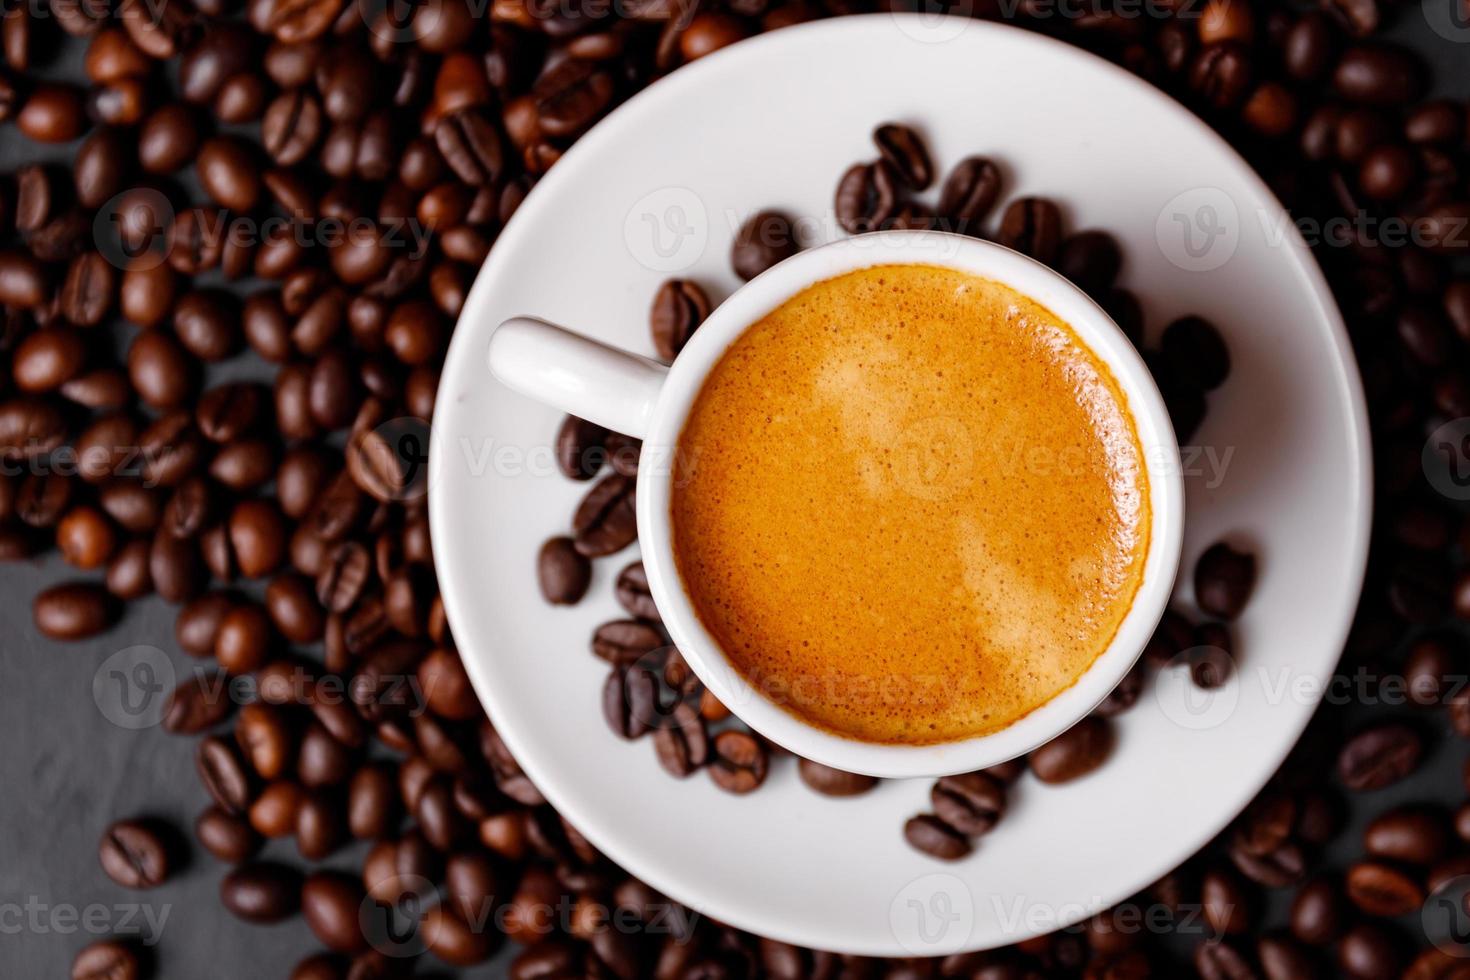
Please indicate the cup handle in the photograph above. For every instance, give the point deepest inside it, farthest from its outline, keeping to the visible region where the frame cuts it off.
(580, 376)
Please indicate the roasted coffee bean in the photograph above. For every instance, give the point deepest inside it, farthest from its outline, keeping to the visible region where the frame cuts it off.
(1215, 959)
(1383, 890)
(834, 782)
(330, 903)
(159, 370)
(630, 701)
(580, 448)
(1379, 74)
(223, 774)
(107, 959)
(229, 173)
(87, 291)
(971, 803)
(372, 803)
(739, 762)
(73, 611)
(1223, 580)
(52, 114)
(1091, 259)
(1221, 74)
(127, 573)
(22, 280)
(934, 837)
(1317, 913)
(1032, 226)
(605, 521)
(48, 359)
(1379, 756)
(633, 594)
(227, 837)
(262, 891)
(1194, 352)
(197, 704)
(763, 240)
(343, 576)
(969, 192)
(683, 745)
(264, 734)
(273, 812)
(135, 854)
(625, 641)
(446, 686)
(1075, 753)
(563, 572)
(471, 146)
(1411, 835)
(679, 307)
(1225, 903)
(867, 198)
(905, 152)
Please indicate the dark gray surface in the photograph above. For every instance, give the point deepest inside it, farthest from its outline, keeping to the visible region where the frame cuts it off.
(66, 770)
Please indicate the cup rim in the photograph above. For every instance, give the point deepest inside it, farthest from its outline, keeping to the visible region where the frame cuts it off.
(763, 294)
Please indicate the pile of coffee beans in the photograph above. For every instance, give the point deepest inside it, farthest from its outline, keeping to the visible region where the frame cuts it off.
(650, 690)
(311, 185)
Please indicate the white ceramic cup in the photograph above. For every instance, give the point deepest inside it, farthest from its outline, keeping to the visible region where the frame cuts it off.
(641, 397)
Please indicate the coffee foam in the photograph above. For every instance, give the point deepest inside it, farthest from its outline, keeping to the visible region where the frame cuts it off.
(910, 505)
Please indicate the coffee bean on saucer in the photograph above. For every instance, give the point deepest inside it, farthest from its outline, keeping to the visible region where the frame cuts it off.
(1091, 259)
(1223, 580)
(580, 448)
(867, 197)
(1074, 753)
(679, 307)
(1379, 756)
(1126, 694)
(904, 151)
(971, 803)
(765, 239)
(834, 782)
(1032, 226)
(935, 838)
(562, 571)
(135, 854)
(107, 959)
(739, 762)
(625, 641)
(969, 192)
(605, 521)
(683, 745)
(630, 701)
(632, 592)
(1194, 351)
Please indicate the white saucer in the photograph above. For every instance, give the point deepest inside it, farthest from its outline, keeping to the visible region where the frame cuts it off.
(658, 189)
